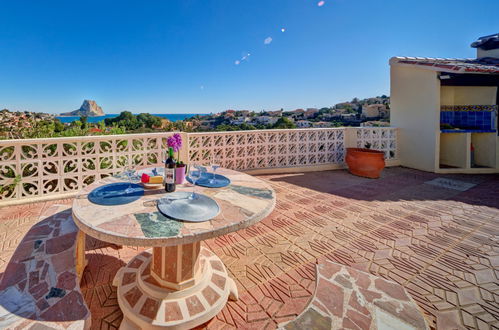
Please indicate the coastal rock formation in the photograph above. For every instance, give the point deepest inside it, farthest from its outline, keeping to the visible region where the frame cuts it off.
(89, 108)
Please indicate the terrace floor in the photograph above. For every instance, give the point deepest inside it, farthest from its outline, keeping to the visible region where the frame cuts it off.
(439, 242)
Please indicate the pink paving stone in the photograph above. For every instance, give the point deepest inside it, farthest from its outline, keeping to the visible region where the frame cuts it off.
(66, 280)
(217, 265)
(42, 304)
(59, 244)
(348, 324)
(331, 296)
(407, 313)
(69, 308)
(15, 273)
(362, 279)
(210, 295)
(194, 305)
(147, 270)
(328, 269)
(39, 232)
(133, 295)
(39, 290)
(33, 278)
(218, 280)
(135, 263)
(353, 302)
(150, 308)
(45, 269)
(172, 312)
(369, 295)
(128, 278)
(363, 321)
(394, 290)
(63, 261)
(21, 285)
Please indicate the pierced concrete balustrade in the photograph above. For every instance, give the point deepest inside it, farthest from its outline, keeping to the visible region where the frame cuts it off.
(35, 169)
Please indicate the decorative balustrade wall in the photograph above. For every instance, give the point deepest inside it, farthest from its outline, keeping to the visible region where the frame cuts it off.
(242, 150)
(37, 168)
(40, 167)
(378, 138)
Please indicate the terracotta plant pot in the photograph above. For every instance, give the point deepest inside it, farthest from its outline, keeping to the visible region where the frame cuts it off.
(180, 174)
(365, 162)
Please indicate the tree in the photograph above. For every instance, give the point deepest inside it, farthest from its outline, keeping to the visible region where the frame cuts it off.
(58, 126)
(84, 122)
(284, 122)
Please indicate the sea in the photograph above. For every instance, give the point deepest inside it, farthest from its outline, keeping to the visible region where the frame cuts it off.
(169, 116)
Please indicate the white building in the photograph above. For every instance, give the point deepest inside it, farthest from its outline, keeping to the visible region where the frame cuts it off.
(240, 120)
(266, 120)
(373, 110)
(303, 124)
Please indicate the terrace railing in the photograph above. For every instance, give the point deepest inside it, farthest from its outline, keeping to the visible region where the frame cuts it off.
(242, 150)
(49, 168)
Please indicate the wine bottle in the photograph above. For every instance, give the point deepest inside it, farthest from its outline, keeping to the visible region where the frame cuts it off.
(169, 178)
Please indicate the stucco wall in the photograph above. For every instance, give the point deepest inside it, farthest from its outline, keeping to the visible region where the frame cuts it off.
(415, 110)
(468, 95)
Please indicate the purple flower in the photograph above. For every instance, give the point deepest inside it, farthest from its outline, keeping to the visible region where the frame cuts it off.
(175, 142)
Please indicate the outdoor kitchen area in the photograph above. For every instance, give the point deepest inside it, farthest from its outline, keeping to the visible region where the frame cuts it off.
(447, 110)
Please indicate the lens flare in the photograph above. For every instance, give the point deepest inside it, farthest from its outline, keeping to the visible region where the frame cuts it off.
(321, 3)
(237, 62)
(267, 40)
(283, 30)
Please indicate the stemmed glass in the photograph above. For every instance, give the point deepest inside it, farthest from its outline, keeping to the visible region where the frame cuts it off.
(130, 168)
(215, 164)
(194, 174)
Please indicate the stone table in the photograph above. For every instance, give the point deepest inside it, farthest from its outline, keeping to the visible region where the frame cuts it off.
(178, 283)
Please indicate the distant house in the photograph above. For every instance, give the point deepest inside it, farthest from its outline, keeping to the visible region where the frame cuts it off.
(310, 112)
(240, 120)
(373, 110)
(164, 124)
(321, 124)
(303, 124)
(266, 120)
(276, 113)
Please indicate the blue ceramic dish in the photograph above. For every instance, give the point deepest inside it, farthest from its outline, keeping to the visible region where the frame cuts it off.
(179, 205)
(115, 194)
(206, 180)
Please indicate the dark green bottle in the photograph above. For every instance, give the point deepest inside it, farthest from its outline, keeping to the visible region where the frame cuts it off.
(169, 178)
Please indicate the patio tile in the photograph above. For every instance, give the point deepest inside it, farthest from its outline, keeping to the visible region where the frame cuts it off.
(440, 244)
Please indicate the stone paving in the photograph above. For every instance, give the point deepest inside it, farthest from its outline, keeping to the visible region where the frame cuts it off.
(436, 240)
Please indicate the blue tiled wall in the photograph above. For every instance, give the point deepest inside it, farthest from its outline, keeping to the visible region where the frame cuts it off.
(468, 119)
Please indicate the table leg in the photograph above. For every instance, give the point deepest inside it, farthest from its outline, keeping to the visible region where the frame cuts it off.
(81, 261)
(179, 286)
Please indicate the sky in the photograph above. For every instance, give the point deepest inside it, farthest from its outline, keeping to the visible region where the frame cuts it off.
(202, 56)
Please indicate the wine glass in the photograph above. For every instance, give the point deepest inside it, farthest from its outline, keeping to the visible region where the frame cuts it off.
(130, 173)
(194, 174)
(215, 164)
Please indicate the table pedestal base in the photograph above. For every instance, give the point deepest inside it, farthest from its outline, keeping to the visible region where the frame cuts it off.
(148, 305)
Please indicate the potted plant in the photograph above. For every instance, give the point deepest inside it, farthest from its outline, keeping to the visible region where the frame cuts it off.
(175, 142)
(365, 162)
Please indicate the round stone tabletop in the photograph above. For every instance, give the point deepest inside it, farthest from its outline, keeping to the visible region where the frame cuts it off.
(244, 202)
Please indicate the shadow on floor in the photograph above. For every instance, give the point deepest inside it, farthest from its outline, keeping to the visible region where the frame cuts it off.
(396, 184)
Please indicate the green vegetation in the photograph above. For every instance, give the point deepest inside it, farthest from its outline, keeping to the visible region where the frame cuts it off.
(284, 122)
(133, 122)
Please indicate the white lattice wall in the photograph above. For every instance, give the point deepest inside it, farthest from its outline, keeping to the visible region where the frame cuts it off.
(62, 165)
(242, 150)
(41, 167)
(379, 138)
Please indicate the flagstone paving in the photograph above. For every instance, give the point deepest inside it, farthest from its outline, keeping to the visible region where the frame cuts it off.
(439, 242)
